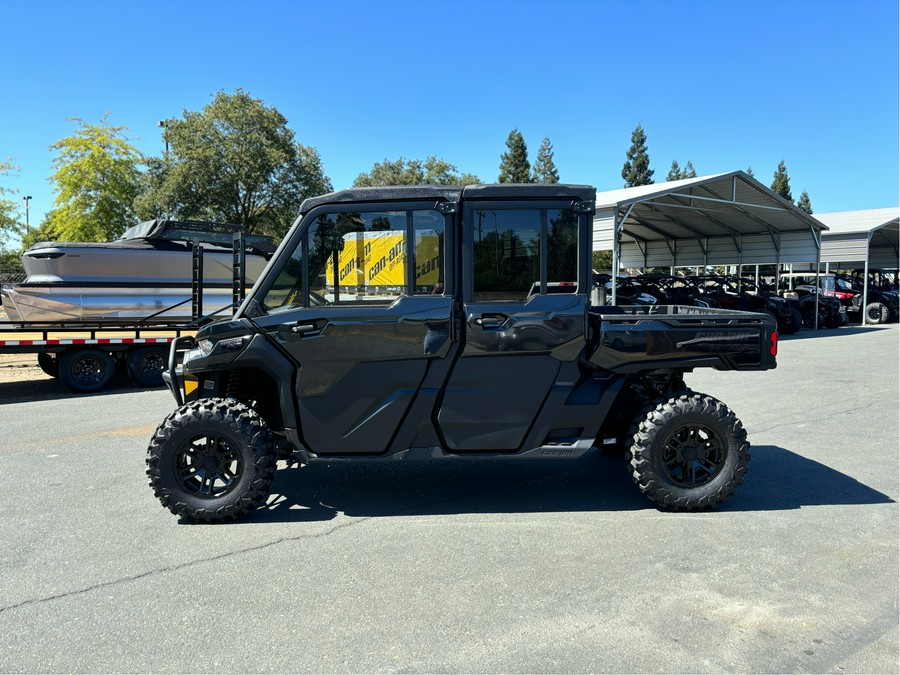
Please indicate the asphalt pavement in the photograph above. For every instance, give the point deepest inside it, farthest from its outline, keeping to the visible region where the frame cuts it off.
(467, 566)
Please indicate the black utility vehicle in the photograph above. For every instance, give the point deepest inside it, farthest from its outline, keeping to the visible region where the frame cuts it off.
(800, 290)
(403, 323)
(881, 293)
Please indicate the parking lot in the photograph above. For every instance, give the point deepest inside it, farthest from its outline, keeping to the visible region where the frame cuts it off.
(467, 566)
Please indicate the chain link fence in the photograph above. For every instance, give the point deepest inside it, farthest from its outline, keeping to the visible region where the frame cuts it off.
(11, 271)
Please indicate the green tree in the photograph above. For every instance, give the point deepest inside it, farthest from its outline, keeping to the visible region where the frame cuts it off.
(781, 183)
(10, 227)
(749, 171)
(804, 202)
(544, 168)
(514, 166)
(96, 180)
(674, 172)
(602, 260)
(235, 161)
(636, 170)
(432, 171)
(677, 173)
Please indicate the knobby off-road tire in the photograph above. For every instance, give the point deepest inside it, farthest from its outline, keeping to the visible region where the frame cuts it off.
(687, 451)
(877, 312)
(211, 460)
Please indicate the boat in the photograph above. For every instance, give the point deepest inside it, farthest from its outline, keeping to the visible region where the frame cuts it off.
(145, 273)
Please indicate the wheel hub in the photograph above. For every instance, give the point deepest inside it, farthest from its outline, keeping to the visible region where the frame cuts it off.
(693, 455)
(690, 453)
(208, 466)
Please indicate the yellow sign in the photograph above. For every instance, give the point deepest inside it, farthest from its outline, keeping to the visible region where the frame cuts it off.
(378, 259)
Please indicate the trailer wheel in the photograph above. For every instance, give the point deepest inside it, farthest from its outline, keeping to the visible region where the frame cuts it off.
(211, 460)
(86, 370)
(49, 364)
(688, 451)
(877, 312)
(146, 365)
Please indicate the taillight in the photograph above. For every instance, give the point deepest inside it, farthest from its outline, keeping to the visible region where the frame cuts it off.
(774, 348)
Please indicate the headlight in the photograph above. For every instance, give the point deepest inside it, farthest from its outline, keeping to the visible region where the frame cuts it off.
(207, 347)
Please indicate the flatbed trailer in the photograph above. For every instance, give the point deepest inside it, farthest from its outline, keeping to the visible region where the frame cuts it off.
(85, 354)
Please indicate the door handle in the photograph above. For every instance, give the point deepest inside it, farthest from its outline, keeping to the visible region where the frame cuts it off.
(305, 328)
(491, 321)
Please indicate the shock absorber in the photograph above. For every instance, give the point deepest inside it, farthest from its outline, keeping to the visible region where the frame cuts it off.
(234, 385)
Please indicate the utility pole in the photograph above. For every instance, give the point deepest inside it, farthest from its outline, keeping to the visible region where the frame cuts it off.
(27, 199)
(164, 125)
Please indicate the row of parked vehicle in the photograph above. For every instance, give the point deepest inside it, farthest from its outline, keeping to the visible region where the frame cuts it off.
(793, 303)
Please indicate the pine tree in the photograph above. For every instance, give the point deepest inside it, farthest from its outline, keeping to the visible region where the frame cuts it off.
(804, 202)
(674, 172)
(544, 168)
(514, 166)
(636, 170)
(749, 171)
(688, 171)
(781, 183)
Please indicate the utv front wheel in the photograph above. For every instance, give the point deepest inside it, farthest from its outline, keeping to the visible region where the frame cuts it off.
(688, 451)
(211, 460)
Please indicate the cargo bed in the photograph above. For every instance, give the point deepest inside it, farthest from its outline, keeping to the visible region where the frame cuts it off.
(633, 339)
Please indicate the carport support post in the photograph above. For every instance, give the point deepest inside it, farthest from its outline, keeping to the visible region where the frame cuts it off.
(615, 259)
(818, 241)
(865, 286)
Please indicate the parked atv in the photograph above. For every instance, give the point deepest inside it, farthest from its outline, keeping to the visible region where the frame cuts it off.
(882, 302)
(743, 294)
(802, 295)
(673, 290)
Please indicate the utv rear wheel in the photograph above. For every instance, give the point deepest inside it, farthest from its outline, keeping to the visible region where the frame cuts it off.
(211, 460)
(877, 312)
(688, 451)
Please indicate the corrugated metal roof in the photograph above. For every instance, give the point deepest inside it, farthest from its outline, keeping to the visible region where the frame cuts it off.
(720, 211)
(857, 236)
(859, 221)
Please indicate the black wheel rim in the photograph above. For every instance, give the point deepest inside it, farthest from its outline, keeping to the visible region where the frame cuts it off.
(207, 466)
(88, 370)
(693, 455)
(152, 364)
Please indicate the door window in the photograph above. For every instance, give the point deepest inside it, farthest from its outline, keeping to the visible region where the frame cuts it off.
(362, 258)
(511, 247)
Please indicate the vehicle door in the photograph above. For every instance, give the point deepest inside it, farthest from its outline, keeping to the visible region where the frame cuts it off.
(357, 298)
(524, 286)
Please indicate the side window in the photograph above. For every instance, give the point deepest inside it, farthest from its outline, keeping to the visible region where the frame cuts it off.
(508, 255)
(562, 249)
(428, 252)
(361, 258)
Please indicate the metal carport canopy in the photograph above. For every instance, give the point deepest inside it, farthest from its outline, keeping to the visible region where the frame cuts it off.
(870, 237)
(723, 219)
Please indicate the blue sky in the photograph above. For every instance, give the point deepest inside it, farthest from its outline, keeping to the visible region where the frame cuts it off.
(725, 85)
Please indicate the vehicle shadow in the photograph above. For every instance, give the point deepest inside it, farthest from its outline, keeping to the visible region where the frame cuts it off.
(830, 332)
(778, 480)
(49, 389)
